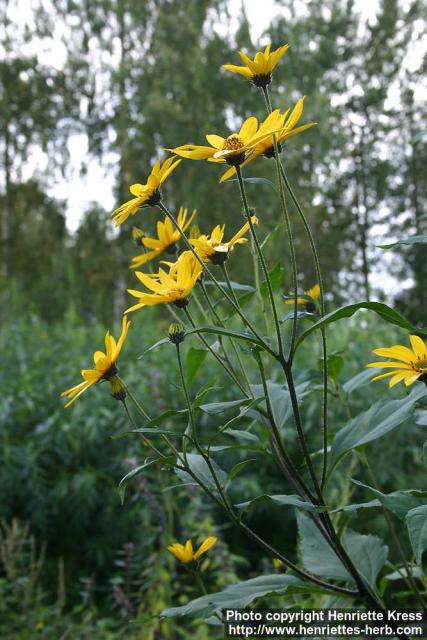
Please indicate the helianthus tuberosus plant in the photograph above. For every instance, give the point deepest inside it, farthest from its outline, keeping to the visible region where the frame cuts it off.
(208, 308)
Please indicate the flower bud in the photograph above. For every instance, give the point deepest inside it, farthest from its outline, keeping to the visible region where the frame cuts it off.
(118, 389)
(176, 333)
(138, 235)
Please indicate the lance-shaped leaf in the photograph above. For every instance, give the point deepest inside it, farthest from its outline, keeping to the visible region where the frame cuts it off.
(399, 502)
(200, 468)
(240, 595)
(280, 500)
(416, 521)
(409, 241)
(381, 418)
(385, 312)
(368, 553)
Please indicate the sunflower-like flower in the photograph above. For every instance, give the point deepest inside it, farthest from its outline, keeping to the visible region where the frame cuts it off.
(147, 194)
(408, 365)
(167, 236)
(285, 125)
(310, 301)
(260, 69)
(165, 288)
(185, 552)
(232, 149)
(105, 367)
(211, 248)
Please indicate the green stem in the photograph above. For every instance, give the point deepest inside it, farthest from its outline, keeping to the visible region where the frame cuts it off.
(215, 355)
(261, 259)
(187, 396)
(137, 404)
(212, 277)
(322, 298)
(289, 234)
(322, 313)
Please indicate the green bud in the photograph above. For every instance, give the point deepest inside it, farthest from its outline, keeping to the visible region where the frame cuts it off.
(176, 333)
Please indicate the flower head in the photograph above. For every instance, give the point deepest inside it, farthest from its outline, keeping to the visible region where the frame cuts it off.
(212, 248)
(312, 294)
(407, 364)
(148, 193)
(167, 236)
(260, 69)
(282, 123)
(185, 553)
(174, 286)
(232, 149)
(105, 365)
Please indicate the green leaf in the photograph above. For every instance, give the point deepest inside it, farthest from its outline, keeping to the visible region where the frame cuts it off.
(198, 465)
(353, 508)
(399, 502)
(138, 470)
(359, 380)
(195, 359)
(317, 555)
(280, 401)
(276, 277)
(425, 454)
(421, 418)
(237, 286)
(401, 574)
(221, 407)
(335, 365)
(154, 346)
(244, 437)
(299, 315)
(281, 500)
(237, 469)
(385, 312)
(381, 418)
(239, 335)
(411, 240)
(236, 596)
(272, 234)
(254, 181)
(368, 553)
(416, 521)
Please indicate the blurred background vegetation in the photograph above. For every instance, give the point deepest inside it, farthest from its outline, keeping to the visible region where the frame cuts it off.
(139, 76)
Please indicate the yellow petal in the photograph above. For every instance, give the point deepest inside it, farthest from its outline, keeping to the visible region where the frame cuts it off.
(207, 544)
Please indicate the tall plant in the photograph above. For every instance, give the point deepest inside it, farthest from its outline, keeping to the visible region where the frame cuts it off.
(262, 362)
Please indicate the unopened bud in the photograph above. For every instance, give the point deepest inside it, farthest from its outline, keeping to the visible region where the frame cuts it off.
(118, 389)
(176, 333)
(138, 235)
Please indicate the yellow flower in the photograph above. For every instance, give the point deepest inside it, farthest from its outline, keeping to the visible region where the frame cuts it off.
(277, 563)
(408, 365)
(148, 193)
(232, 149)
(105, 364)
(314, 294)
(173, 287)
(260, 69)
(167, 237)
(212, 248)
(186, 554)
(285, 125)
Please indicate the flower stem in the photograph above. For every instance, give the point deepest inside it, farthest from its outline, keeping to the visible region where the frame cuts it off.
(212, 277)
(261, 258)
(215, 355)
